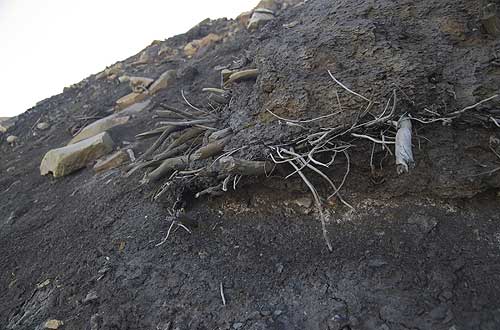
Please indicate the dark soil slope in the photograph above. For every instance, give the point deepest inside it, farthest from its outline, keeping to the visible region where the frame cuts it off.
(417, 251)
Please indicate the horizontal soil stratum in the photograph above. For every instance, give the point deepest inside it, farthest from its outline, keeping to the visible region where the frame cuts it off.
(309, 165)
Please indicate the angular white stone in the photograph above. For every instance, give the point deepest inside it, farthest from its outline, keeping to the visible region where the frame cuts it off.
(135, 108)
(11, 139)
(42, 126)
(99, 126)
(140, 84)
(129, 99)
(163, 81)
(66, 160)
(258, 19)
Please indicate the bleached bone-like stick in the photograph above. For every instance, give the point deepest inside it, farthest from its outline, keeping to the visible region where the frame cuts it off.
(225, 182)
(324, 176)
(372, 139)
(318, 205)
(236, 180)
(192, 106)
(404, 153)
(213, 90)
(347, 89)
(187, 123)
(222, 294)
(472, 106)
(495, 121)
(382, 119)
(231, 165)
(168, 234)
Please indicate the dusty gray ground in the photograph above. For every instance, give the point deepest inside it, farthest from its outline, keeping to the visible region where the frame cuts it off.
(421, 251)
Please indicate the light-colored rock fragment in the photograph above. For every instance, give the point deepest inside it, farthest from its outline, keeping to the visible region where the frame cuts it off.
(291, 24)
(123, 79)
(90, 297)
(3, 129)
(140, 84)
(113, 70)
(135, 108)
(66, 160)
(264, 11)
(99, 126)
(244, 18)
(42, 126)
(268, 4)
(258, 19)
(6, 123)
(167, 52)
(129, 99)
(12, 139)
(42, 285)
(53, 324)
(143, 59)
(112, 161)
(163, 81)
(191, 48)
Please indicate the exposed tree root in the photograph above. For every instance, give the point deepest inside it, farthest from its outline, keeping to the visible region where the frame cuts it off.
(231, 165)
(182, 162)
(314, 151)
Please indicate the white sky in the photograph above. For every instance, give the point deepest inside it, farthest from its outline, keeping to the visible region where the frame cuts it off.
(46, 45)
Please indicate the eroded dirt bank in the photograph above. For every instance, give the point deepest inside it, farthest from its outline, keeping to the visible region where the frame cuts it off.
(419, 251)
(404, 263)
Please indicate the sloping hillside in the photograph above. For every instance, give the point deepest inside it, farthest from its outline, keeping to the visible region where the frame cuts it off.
(194, 185)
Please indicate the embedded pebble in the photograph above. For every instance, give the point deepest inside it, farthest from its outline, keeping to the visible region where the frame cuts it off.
(11, 139)
(42, 126)
(91, 296)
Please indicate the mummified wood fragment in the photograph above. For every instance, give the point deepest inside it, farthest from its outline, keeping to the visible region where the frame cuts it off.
(404, 153)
